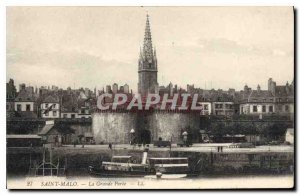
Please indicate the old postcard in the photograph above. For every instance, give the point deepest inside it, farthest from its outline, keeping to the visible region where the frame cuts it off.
(150, 97)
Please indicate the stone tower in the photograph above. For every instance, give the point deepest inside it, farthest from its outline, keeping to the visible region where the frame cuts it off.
(147, 65)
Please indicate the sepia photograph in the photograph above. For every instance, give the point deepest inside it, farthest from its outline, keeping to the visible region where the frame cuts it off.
(150, 97)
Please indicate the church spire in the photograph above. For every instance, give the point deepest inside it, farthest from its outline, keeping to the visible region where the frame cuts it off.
(147, 48)
(147, 68)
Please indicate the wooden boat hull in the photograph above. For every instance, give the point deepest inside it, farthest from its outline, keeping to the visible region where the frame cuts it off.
(117, 173)
(94, 172)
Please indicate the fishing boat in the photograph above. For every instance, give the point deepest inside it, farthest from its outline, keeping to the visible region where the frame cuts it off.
(126, 166)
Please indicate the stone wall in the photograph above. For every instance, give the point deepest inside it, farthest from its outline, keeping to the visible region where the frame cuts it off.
(171, 124)
(149, 126)
(113, 127)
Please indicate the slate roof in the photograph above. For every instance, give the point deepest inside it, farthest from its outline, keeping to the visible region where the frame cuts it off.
(51, 99)
(283, 91)
(258, 96)
(25, 96)
(221, 97)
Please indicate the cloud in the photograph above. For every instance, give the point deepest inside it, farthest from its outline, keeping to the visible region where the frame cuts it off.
(95, 46)
(67, 68)
(222, 45)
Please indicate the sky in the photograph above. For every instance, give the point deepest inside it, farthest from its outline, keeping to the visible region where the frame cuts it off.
(210, 47)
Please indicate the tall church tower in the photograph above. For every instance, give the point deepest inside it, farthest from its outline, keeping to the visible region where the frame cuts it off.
(147, 65)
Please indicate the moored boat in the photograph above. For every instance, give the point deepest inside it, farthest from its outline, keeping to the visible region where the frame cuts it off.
(126, 166)
(121, 166)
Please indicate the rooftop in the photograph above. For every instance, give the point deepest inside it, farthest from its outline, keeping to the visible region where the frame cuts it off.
(25, 96)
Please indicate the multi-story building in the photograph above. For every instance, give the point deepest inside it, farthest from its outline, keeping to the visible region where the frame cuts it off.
(24, 101)
(222, 104)
(84, 108)
(275, 100)
(69, 107)
(284, 97)
(24, 104)
(75, 106)
(50, 107)
(256, 101)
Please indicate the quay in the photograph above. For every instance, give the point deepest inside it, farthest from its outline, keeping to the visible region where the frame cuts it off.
(203, 158)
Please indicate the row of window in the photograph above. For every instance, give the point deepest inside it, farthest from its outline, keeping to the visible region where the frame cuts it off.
(286, 108)
(19, 107)
(227, 106)
(54, 113)
(280, 108)
(72, 116)
(263, 109)
(205, 106)
(53, 105)
(64, 115)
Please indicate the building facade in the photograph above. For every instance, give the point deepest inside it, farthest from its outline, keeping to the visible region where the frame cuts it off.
(24, 101)
(50, 107)
(206, 108)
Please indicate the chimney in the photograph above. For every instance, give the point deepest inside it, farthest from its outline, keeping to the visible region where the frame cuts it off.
(287, 87)
(246, 88)
(258, 88)
(22, 87)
